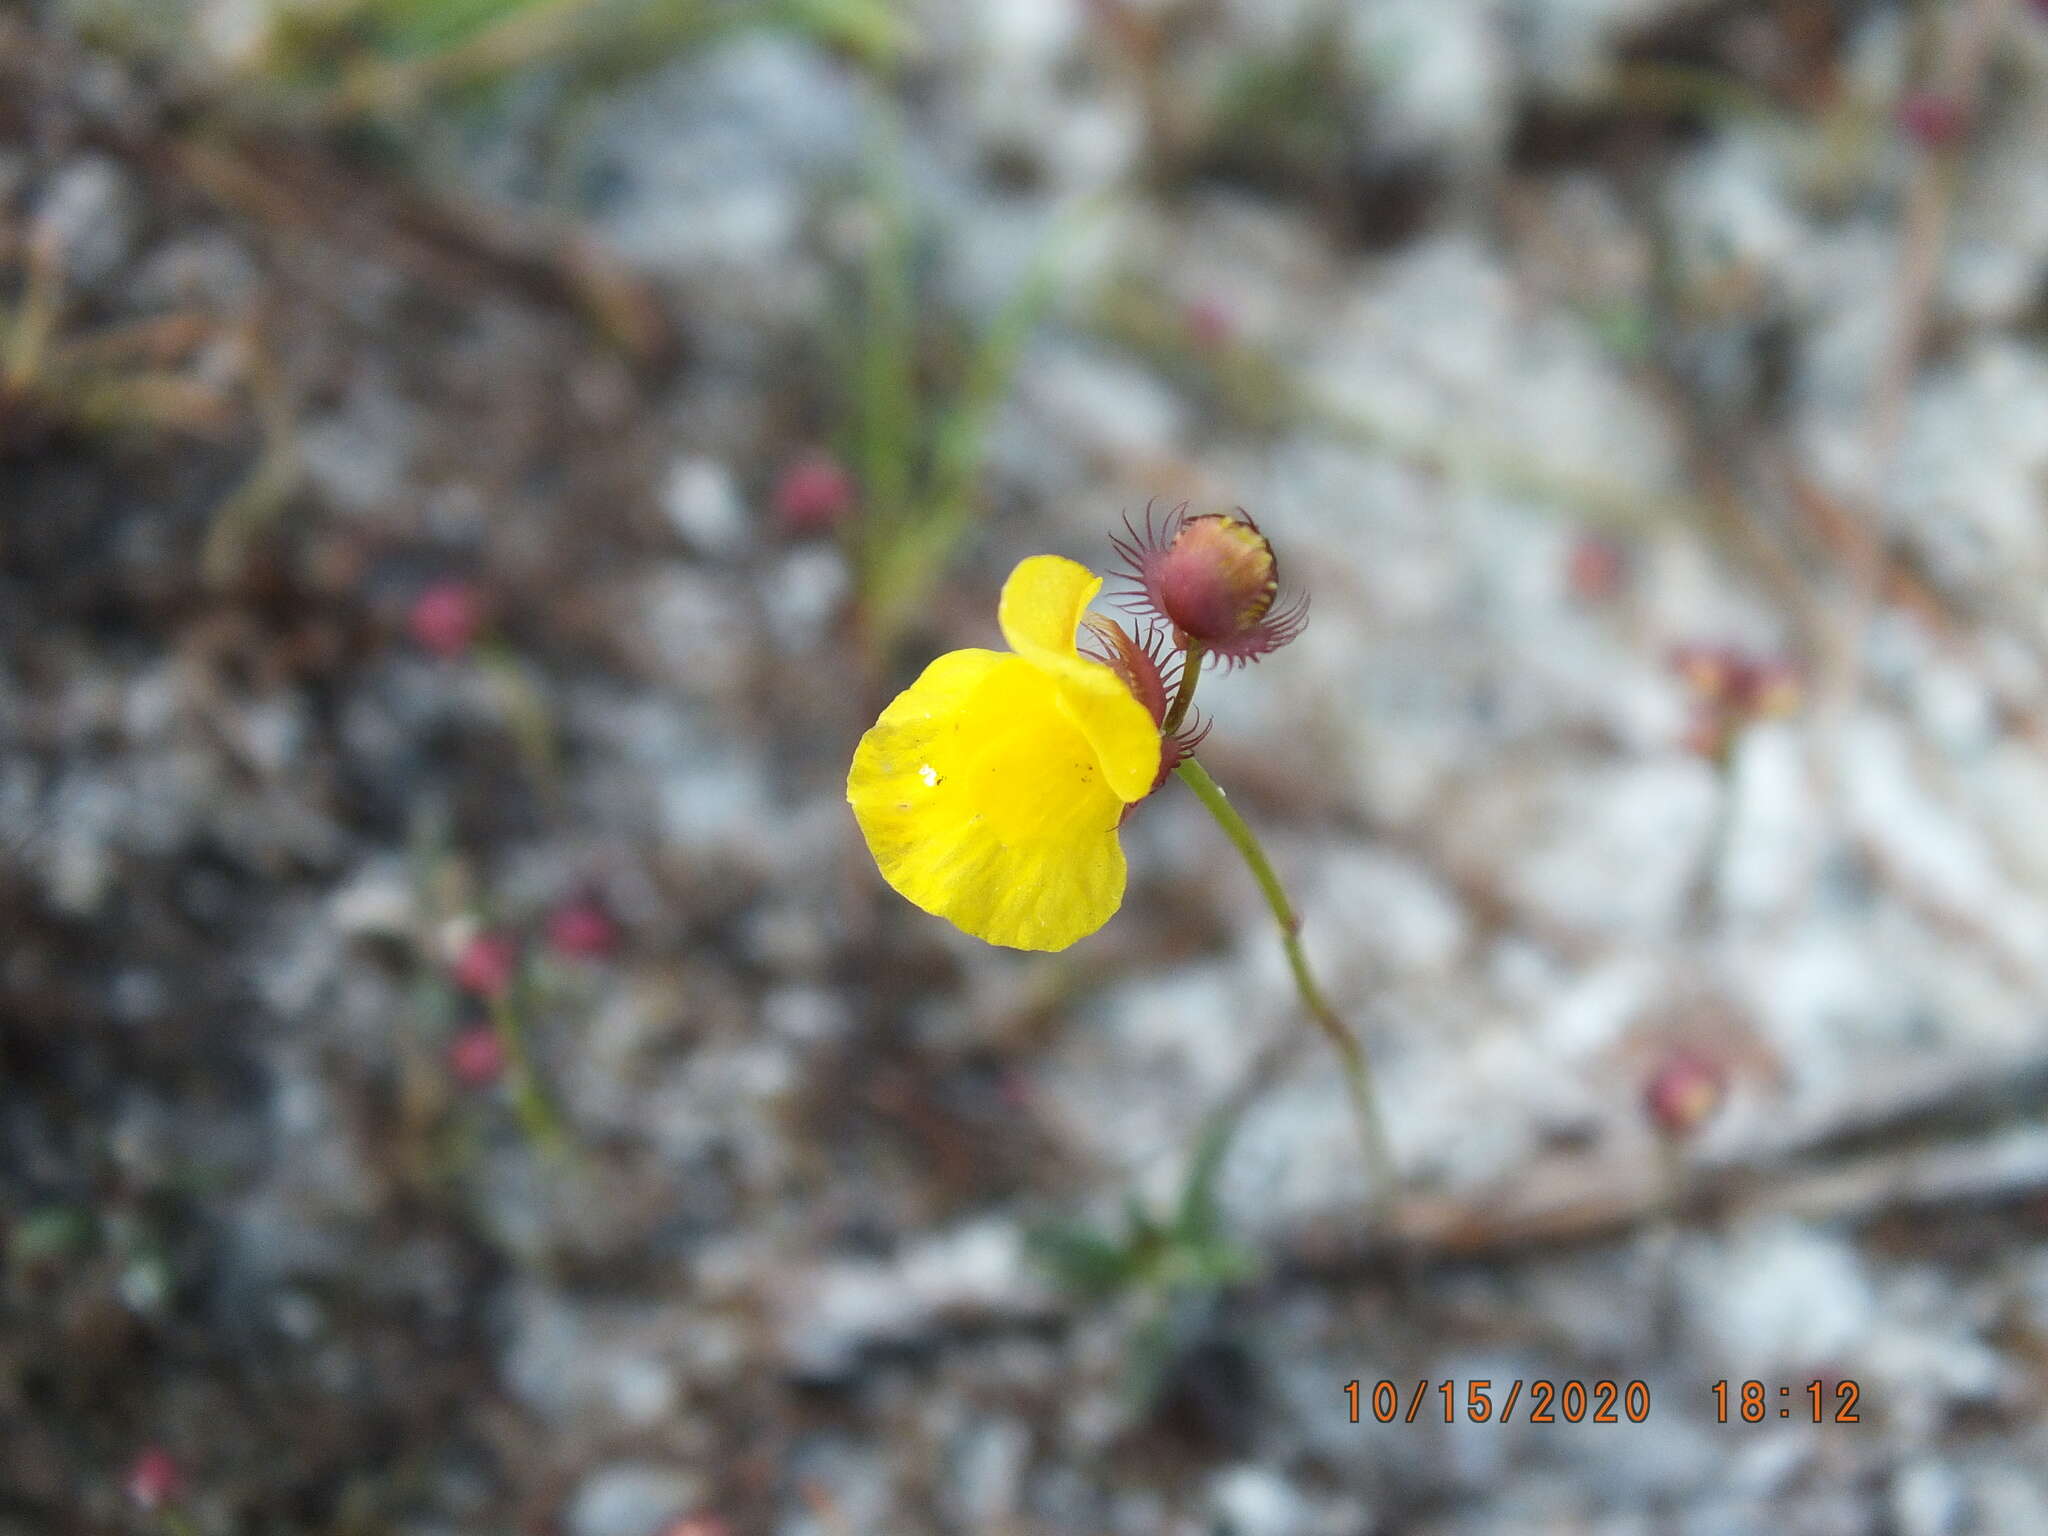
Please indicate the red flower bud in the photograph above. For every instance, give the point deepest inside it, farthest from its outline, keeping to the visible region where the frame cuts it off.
(476, 1056)
(445, 618)
(485, 964)
(1684, 1092)
(154, 1479)
(583, 929)
(1707, 734)
(698, 1525)
(1209, 322)
(1595, 569)
(813, 496)
(1712, 672)
(1771, 690)
(1731, 690)
(1214, 578)
(1933, 121)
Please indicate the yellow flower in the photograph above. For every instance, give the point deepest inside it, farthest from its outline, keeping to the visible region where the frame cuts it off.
(990, 789)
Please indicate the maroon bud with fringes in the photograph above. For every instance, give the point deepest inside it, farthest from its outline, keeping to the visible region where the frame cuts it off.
(1138, 665)
(1152, 682)
(1218, 578)
(1214, 578)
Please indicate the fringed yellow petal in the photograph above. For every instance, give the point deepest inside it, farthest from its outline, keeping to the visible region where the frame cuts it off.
(983, 802)
(1042, 603)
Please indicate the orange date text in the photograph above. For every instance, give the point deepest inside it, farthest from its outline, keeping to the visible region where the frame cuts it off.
(1480, 1401)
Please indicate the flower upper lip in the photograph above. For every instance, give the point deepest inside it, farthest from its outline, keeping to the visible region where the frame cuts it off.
(1040, 616)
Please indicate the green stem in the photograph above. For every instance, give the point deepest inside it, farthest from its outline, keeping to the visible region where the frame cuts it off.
(1357, 1066)
(1191, 670)
(537, 1116)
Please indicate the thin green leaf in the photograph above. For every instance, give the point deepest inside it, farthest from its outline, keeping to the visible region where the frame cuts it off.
(885, 406)
(871, 30)
(1082, 1260)
(1199, 1219)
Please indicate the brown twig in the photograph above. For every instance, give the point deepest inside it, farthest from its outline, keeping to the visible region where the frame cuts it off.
(270, 483)
(1929, 1140)
(441, 240)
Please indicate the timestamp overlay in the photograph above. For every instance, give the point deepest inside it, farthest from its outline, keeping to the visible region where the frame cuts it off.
(1547, 1400)
(1760, 1402)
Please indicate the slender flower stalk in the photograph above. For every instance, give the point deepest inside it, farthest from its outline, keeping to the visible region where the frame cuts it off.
(538, 1117)
(1358, 1079)
(1191, 668)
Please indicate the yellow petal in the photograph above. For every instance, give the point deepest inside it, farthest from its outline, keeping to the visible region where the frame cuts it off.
(1042, 604)
(983, 803)
(1120, 730)
(1040, 612)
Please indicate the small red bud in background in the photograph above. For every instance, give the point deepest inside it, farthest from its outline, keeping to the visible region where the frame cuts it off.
(1684, 1093)
(698, 1525)
(445, 618)
(813, 495)
(1014, 1088)
(1732, 690)
(583, 929)
(1706, 734)
(1772, 690)
(1210, 322)
(153, 1479)
(1712, 672)
(485, 964)
(1932, 120)
(476, 1056)
(1595, 568)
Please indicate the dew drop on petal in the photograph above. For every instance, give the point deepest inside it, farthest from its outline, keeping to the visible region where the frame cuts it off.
(929, 775)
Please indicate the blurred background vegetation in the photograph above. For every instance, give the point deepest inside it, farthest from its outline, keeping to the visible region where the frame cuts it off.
(469, 471)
